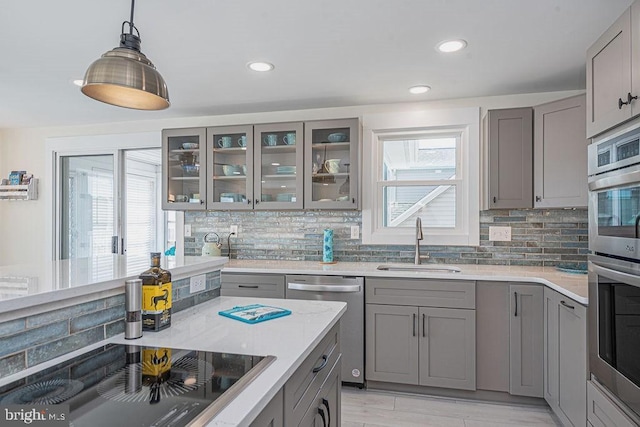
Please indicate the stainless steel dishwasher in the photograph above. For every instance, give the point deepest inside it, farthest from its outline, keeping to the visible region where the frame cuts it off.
(338, 288)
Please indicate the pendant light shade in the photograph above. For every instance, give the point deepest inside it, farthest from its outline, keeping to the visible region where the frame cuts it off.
(125, 77)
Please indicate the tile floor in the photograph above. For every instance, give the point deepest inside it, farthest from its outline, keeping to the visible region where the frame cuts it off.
(363, 408)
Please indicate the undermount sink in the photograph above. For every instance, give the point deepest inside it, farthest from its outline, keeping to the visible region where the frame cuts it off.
(421, 267)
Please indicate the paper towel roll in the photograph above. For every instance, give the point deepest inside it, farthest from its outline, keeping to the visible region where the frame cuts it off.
(327, 246)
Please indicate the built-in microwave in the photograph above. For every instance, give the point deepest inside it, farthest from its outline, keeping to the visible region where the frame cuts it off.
(614, 195)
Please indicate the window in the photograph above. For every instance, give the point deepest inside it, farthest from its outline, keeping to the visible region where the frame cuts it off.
(424, 171)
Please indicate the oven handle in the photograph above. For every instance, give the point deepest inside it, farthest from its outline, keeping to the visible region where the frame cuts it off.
(615, 181)
(627, 278)
(323, 288)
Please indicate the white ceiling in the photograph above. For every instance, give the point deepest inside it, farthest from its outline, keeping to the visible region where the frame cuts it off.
(326, 52)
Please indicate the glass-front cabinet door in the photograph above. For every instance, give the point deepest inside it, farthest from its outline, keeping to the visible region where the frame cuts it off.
(331, 164)
(278, 182)
(184, 165)
(230, 167)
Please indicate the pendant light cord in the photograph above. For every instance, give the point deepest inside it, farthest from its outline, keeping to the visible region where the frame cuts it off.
(131, 26)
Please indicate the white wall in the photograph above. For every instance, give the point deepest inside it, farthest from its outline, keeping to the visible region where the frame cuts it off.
(22, 224)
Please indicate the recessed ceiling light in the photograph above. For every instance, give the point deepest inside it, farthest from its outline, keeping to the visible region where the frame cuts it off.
(419, 89)
(260, 66)
(77, 82)
(449, 46)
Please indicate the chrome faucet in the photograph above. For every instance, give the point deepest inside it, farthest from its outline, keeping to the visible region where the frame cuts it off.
(419, 236)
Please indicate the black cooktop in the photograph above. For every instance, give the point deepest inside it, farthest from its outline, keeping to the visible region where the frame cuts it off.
(138, 386)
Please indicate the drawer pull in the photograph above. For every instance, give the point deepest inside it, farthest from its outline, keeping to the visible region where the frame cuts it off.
(325, 359)
(567, 305)
(249, 286)
(325, 402)
(324, 419)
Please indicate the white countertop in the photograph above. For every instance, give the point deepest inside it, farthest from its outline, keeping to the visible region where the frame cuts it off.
(291, 339)
(27, 285)
(573, 286)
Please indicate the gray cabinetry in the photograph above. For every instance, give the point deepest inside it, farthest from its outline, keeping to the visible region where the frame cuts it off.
(421, 332)
(492, 345)
(303, 388)
(526, 340)
(331, 164)
(565, 361)
(392, 343)
(252, 285)
(560, 154)
(183, 169)
(609, 76)
(230, 167)
(272, 414)
(510, 158)
(447, 348)
(602, 411)
(325, 409)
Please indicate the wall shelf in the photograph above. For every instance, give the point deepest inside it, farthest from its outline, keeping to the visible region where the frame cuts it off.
(20, 192)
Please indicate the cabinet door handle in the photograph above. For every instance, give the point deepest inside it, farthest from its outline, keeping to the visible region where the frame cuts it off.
(257, 201)
(630, 98)
(567, 305)
(248, 201)
(324, 418)
(249, 286)
(202, 202)
(515, 298)
(538, 199)
(424, 325)
(494, 199)
(621, 103)
(353, 200)
(317, 369)
(325, 402)
(414, 324)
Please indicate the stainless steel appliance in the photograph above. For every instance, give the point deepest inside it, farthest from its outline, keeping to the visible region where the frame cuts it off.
(116, 385)
(614, 266)
(338, 288)
(614, 195)
(614, 327)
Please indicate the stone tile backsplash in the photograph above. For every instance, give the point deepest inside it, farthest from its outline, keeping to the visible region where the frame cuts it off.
(540, 237)
(28, 341)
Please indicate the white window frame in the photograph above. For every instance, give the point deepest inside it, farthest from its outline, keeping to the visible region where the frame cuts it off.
(464, 122)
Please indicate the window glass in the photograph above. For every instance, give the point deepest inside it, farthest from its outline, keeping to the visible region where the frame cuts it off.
(435, 205)
(419, 159)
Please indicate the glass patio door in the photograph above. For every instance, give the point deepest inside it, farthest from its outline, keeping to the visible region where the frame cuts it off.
(88, 213)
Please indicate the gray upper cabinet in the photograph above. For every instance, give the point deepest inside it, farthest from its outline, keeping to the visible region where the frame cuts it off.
(609, 75)
(565, 362)
(560, 154)
(526, 340)
(230, 167)
(510, 158)
(331, 164)
(278, 166)
(184, 169)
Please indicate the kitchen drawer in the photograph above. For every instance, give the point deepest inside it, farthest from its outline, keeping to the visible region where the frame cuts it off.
(325, 407)
(252, 285)
(421, 292)
(602, 411)
(303, 386)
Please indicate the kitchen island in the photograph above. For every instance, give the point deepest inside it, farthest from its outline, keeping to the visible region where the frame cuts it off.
(291, 339)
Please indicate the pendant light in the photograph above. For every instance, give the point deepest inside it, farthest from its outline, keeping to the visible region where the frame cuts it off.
(125, 77)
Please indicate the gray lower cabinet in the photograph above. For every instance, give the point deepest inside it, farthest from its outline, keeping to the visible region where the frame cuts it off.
(565, 362)
(509, 348)
(410, 343)
(602, 411)
(526, 324)
(252, 285)
(272, 415)
(306, 388)
(326, 407)
(510, 158)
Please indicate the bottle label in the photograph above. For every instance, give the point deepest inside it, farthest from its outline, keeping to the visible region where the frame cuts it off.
(156, 298)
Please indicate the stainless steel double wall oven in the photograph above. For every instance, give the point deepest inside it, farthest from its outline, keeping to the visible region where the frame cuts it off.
(614, 266)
